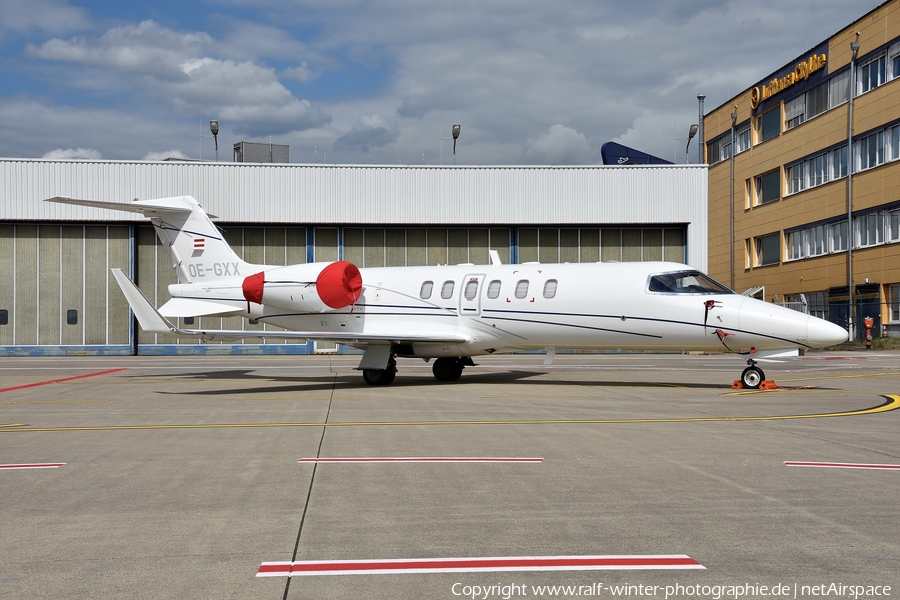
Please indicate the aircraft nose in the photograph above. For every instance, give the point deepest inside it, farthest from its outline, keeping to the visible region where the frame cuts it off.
(821, 333)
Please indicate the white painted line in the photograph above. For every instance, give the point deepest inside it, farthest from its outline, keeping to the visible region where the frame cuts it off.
(31, 466)
(476, 565)
(833, 465)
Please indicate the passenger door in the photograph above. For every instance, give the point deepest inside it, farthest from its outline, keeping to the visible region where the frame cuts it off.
(470, 295)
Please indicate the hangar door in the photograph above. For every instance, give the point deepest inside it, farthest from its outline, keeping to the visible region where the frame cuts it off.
(58, 290)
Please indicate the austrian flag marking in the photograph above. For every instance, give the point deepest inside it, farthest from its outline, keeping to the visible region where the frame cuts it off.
(475, 565)
(199, 243)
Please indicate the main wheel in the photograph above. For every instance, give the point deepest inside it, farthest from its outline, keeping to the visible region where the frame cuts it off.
(447, 369)
(752, 377)
(379, 376)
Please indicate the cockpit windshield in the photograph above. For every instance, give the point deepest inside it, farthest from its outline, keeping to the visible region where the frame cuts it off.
(686, 282)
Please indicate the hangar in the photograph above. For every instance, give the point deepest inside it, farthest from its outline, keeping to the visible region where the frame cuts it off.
(59, 296)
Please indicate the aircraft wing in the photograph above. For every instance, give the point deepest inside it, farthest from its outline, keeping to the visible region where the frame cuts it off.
(152, 321)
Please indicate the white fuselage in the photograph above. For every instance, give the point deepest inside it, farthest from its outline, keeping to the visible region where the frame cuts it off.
(534, 306)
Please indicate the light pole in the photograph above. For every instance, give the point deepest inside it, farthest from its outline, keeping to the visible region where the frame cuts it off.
(454, 131)
(700, 99)
(214, 129)
(854, 48)
(691, 133)
(734, 116)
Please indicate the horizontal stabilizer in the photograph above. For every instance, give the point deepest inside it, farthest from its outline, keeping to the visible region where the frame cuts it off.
(192, 307)
(150, 207)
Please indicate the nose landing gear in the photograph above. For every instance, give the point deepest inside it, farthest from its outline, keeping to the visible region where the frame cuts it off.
(752, 376)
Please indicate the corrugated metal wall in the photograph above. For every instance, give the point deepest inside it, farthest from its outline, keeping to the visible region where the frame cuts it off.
(60, 291)
(373, 194)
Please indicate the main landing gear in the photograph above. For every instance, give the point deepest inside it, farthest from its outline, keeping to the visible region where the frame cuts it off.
(444, 369)
(381, 376)
(752, 376)
(449, 369)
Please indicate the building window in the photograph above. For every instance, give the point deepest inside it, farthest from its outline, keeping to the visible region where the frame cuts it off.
(742, 139)
(425, 292)
(769, 124)
(837, 235)
(892, 221)
(839, 89)
(868, 230)
(894, 302)
(870, 151)
(188, 320)
(4, 316)
(872, 74)
(493, 290)
(768, 187)
(768, 251)
(797, 176)
(795, 111)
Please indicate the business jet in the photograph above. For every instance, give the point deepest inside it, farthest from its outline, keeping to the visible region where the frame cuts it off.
(453, 313)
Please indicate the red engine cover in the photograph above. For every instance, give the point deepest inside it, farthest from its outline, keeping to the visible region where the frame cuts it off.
(339, 284)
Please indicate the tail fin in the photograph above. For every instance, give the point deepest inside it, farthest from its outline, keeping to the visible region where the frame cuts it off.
(196, 248)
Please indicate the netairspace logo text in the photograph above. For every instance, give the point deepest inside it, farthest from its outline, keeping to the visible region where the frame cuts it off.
(713, 592)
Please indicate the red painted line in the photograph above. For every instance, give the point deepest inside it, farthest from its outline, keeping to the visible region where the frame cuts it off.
(794, 463)
(36, 384)
(423, 459)
(32, 466)
(474, 565)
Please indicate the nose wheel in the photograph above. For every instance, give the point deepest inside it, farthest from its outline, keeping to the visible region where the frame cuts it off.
(752, 376)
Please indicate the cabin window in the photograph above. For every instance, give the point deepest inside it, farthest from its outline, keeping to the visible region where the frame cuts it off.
(522, 288)
(425, 292)
(447, 290)
(550, 288)
(471, 289)
(493, 290)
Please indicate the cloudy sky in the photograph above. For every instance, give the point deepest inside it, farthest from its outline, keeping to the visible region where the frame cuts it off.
(354, 81)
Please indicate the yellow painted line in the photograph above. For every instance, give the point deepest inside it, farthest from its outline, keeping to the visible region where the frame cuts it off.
(892, 403)
(53, 401)
(2, 425)
(854, 376)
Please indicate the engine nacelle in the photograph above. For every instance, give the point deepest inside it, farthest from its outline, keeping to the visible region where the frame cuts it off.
(314, 287)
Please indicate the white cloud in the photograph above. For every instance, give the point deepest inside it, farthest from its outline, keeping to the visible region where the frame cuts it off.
(166, 154)
(561, 145)
(173, 67)
(73, 154)
(301, 73)
(371, 131)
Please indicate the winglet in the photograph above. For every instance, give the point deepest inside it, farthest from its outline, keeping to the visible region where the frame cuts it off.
(495, 258)
(149, 318)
